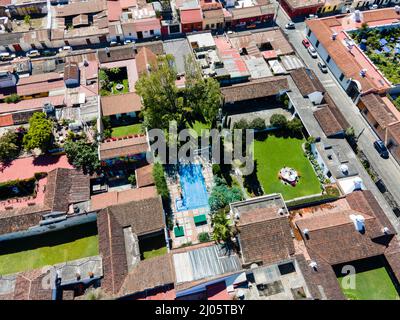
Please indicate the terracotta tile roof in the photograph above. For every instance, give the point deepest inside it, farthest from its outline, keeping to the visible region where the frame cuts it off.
(253, 11)
(116, 54)
(333, 237)
(82, 19)
(255, 89)
(335, 111)
(65, 187)
(191, 15)
(307, 81)
(265, 236)
(114, 10)
(145, 58)
(29, 286)
(21, 218)
(6, 120)
(107, 199)
(120, 103)
(297, 4)
(123, 147)
(144, 217)
(213, 14)
(144, 176)
(378, 109)
(394, 130)
(327, 121)
(79, 7)
(71, 71)
(365, 202)
(146, 24)
(155, 46)
(339, 53)
(148, 274)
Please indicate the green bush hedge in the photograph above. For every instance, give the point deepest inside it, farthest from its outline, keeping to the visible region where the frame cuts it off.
(203, 237)
(311, 200)
(160, 182)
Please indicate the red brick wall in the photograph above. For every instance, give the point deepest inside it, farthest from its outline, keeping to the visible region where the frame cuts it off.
(263, 18)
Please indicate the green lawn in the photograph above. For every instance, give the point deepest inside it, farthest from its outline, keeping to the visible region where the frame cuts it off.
(154, 253)
(274, 153)
(372, 284)
(126, 130)
(48, 249)
(124, 90)
(153, 246)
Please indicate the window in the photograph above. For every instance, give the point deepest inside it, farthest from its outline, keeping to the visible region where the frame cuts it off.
(328, 59)
(317, 44)
(341, 77)
(309, 33)
(152, 32)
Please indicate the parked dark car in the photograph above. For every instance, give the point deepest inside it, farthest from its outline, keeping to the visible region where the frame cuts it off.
(290, 25)
(381, 148)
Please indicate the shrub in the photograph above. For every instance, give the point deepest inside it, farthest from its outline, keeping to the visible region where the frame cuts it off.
(13, 98)
(278, 120)
(241, 124)
(258, 124)
(216, 170)
(25, 187)
(132, 179)
(203, 237)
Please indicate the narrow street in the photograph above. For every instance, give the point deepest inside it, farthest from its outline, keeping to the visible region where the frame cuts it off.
(388, 169)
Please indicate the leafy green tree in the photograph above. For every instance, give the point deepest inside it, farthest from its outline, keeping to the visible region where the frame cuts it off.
(223, 229)
(40, 133)
(160, 182)
(82, 155)
(9, 149)
(222, 195)
(162, 99)
(295, 127)
(278, 120)
(202, 96)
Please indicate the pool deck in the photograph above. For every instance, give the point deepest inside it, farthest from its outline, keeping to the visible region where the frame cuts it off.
(185, 218)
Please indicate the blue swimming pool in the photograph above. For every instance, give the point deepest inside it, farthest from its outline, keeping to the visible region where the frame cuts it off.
(194, 192)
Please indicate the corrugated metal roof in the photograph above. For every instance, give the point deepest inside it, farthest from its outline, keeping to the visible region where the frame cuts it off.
(204, 263)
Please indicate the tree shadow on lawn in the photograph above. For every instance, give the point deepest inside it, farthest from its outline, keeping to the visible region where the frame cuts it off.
(251, 182)
(49, 239)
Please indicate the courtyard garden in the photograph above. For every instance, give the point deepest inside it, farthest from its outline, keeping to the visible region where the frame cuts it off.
(372, 281)
(126, 130)
(48, 249)
(272, 153)
(113, 81)
(382, 46)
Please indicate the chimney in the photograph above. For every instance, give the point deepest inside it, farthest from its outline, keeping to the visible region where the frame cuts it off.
(359, 222)
(385, 230)
(334, 35)
(107, 49)
(313, 265)
(397, 9)
(306, 233)
(357, 16)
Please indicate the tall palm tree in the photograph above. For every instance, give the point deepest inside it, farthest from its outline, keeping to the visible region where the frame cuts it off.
(223, 230)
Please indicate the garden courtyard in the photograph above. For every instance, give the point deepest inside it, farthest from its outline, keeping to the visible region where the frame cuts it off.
(271, 154)
(372, 281)
(48, 249)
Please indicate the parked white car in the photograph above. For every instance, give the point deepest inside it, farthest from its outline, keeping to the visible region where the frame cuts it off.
(33, 53)
(65, 49)
(312, 52)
